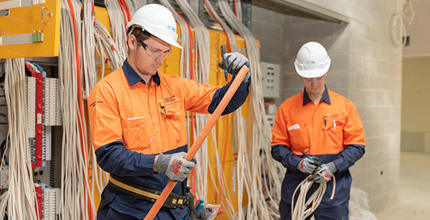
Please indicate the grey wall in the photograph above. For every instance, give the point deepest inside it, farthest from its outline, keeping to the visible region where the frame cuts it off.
(366, 68)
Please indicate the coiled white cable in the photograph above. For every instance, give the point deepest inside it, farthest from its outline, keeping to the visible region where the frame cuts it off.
(304, 208)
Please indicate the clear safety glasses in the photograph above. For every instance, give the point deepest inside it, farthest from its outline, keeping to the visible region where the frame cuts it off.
(155, 53)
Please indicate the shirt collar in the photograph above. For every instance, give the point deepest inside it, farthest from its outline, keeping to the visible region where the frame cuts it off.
(325, 97)
(133, 77)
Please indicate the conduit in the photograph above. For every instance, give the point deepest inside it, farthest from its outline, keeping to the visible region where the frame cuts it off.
(202, 136)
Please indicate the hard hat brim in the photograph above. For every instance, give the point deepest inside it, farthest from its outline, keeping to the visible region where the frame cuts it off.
(165, 39)
(313, 73)
(152, 32)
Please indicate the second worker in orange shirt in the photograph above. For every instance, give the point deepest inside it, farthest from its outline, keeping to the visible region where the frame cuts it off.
(322, 124)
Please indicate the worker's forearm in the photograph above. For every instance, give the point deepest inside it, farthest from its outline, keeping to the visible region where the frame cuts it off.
(285, 156)
(236, 101)
(114, 158)
(348, 157)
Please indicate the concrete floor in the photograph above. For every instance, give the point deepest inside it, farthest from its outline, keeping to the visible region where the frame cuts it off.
(414, 189)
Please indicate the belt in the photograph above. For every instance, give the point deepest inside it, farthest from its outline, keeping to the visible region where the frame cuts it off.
(173, 200)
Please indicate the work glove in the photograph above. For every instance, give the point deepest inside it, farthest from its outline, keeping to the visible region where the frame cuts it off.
(233, 62)
(307, 165)
(207, 213)
(175, 166)
(325, 172)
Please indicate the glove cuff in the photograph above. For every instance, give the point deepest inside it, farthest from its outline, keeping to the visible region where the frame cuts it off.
(161, 163)
(332, 167)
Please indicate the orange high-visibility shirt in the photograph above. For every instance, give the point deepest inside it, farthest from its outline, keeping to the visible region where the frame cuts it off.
(148, 119)
(319, 129)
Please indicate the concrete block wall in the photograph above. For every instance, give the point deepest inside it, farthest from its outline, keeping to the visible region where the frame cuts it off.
(366, 68)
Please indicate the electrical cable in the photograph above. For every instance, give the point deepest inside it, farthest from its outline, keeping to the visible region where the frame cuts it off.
(305, 208)
(21, 196)
(260, 161)
(117, 27)
(77, 199)
(404, 14)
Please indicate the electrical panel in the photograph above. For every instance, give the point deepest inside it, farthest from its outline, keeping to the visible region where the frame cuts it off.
(48, 202)
(43, 111)
(271, 120)
(29, 28)
(271, 77)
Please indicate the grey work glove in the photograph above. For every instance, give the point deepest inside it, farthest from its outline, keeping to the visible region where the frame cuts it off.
(233, 62)
(175, 166)
(325, 172)
(307, 165)
(207, 213)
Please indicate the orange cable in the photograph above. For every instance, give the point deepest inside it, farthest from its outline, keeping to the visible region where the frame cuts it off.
(202, 136)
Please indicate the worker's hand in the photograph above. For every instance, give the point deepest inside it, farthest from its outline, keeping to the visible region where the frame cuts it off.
(233, 62)
(208, 212)
(325, 172)
(175, 166)
(307, 165)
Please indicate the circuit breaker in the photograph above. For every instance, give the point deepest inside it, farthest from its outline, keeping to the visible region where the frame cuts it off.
(271, 78)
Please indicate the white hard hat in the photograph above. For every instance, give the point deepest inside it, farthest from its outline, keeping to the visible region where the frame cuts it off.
(312, 60)
(158, 21)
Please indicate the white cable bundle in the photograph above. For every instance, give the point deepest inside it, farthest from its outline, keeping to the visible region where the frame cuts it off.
(242, 166)
(184, 69)
(88, 48)
(227, 204)
(117, 27)
(106, 48)
(238, 9)
(21, 197)
(202, 61)
(304, 208)
(259, 149)
(76, 197)
(99, 178)
(228, 31)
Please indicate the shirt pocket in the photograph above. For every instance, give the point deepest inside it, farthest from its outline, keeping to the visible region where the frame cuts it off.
(171, 110)
(299, 138)
(333, 130)
(135, 135)
(173, 117)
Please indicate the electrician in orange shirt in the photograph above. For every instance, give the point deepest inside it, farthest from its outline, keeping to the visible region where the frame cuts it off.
(323, 124)
(138, 121)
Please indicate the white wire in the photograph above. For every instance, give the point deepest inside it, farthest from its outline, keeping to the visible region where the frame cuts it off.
(88, 46)
(117, 27)
(305, 208)
(259, 165)
(21, 198)
(201, 64)
(404, 14)
(77, 199)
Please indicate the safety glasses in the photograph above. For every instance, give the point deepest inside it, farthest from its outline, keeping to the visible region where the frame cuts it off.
(155, 53)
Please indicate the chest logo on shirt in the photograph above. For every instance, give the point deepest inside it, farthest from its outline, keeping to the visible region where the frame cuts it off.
(93, 104)
(169, 100)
